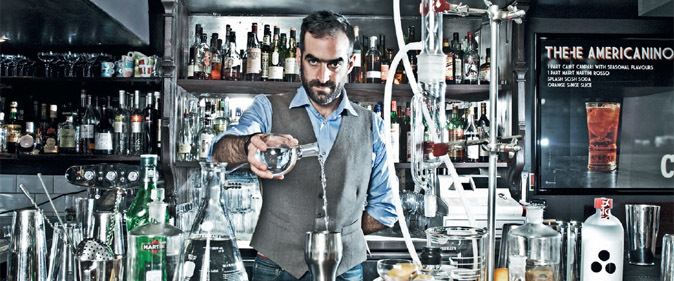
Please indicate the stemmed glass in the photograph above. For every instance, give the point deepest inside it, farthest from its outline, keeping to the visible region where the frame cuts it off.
(47, 58)
(5, 60)
(89, 59)
(71, 58)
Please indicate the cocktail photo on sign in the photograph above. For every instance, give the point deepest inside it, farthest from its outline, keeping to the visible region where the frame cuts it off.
(603, 102)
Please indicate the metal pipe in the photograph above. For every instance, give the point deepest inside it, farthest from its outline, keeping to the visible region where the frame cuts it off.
(493, 130)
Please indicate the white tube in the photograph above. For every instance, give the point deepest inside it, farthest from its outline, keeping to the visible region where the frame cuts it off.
(459, 189)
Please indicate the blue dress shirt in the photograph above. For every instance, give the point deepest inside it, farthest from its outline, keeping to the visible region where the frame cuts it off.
(258, 119)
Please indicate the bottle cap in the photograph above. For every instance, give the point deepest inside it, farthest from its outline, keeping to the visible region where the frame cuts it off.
(603, 203)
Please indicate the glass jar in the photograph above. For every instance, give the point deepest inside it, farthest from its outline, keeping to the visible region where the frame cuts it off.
(540, 245)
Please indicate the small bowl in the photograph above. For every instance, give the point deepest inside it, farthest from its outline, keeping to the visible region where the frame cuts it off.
(400, 266)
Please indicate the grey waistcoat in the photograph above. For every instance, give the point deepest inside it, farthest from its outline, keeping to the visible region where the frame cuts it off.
(294, 205)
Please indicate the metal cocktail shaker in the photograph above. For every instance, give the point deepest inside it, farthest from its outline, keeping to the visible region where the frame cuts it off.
(28, 254)
(323, 252)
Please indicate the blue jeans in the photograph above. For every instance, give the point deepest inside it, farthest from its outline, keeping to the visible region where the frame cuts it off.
(267, 270)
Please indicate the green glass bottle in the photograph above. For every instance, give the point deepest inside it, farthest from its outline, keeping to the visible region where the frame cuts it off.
(138, 213)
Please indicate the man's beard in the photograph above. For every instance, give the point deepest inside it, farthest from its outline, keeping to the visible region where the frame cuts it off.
(322, 98)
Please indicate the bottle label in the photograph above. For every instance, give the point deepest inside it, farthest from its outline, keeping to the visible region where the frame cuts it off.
(470, 69)
(408, 157)
(136, 123)
(50, 146)
(13, 132)
(449, 68)
(67, 138)
(265, 64)
(384, 71)
(458, 70)
(190, 70)
(205, 145)
(254, 65)
(103, 141)
(395, 142)
(276, 72)
(184, 148)
(274, 58)
(87, 131)
(473, 151)
(357, 59)
(290, 66)
(150, 258)
(118, 127)
(373, 74)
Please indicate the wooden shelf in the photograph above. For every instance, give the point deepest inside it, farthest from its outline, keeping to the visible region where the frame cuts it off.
(7, 82)
(358, 91)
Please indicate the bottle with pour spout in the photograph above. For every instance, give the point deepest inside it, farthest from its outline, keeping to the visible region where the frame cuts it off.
(281, 158)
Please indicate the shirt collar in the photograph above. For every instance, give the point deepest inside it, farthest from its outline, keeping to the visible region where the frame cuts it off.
(302, 99)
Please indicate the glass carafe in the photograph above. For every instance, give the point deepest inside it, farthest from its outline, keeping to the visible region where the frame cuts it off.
(539, 244)
(280, 158)
(210, 252)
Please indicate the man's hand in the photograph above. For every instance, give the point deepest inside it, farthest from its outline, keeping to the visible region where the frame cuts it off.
(369, 225)
(261, 142)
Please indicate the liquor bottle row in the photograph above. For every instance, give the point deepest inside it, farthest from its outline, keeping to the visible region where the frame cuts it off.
(202, 120)
(91, 128)
(463, 123)
(274, 58)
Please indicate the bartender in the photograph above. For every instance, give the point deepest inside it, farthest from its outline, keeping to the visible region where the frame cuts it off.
(358, 170)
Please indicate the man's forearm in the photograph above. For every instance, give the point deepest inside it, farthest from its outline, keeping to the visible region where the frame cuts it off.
(369, 224)
(231, 149)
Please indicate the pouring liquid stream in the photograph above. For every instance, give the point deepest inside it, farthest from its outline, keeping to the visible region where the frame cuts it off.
(326, 219)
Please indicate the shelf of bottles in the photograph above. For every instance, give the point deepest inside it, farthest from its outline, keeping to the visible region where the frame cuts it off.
(269, 66)
(92, 131)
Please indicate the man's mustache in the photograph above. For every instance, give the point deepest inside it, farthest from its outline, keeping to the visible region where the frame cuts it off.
(316, 83)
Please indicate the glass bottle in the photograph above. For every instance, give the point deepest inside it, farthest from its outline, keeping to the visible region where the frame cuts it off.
(449, 63)
(540, 245)
(395, 132)
(103, 138)
(203, 59)
(67, 136)
(216, 58)
(372, 65)
(485, 67)
(150, 129)
(254, 56)
(120, 124)
(50, 143)
(266, 53)
(356, 75)
(3, 133)
(157, 123)
(275, 58)
(290, 67)
(231, 64)
(136, 136)
(471, 134)
(186, 139)
(456, 133)
(602, 244)
(222, 120)
(280, 159)
(13, 127)
(88, 128)
(483, 131)
(210, 251)
(457, 58)
(137, 214)
(471, 61)
(192, 66)
(26, 143)
(154, 248)
(206, 135)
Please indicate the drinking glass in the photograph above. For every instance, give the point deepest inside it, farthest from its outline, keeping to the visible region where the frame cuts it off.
(89, 60)
(71, 59)
(47, 58)
(603, 121)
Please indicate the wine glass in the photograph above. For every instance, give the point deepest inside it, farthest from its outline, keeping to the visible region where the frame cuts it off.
(90, 59)
(71, 59)
(5, 61)
(47, 58)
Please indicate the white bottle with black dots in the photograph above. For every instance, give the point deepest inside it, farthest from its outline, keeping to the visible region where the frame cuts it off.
(602, 244)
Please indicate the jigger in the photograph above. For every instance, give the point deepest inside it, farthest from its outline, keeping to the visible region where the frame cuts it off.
(322, 253)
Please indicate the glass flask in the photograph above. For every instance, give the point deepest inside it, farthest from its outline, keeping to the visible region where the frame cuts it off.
(210, 252)
(280, 158)
(462, 251)
(540, 245)
(154, 248)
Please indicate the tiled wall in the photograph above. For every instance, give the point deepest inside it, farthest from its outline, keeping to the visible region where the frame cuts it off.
(11, 196)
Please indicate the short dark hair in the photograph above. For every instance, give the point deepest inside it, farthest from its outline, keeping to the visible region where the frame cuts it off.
(325, 23)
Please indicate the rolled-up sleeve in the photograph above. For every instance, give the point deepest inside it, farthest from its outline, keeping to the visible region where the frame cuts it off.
(383, 178)
(256, 119)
